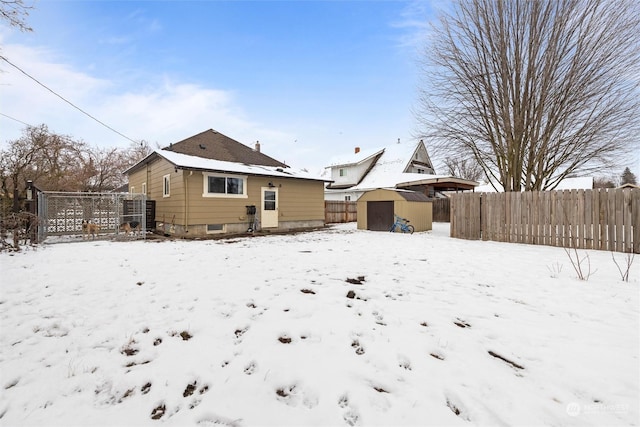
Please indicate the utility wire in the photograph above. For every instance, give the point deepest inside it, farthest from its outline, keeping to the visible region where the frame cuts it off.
(64, 99)
(16, 120)
(65, 137)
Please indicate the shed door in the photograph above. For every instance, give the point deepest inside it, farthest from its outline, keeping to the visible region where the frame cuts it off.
(379, 215)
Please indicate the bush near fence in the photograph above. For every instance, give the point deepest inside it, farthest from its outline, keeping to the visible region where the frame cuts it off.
(604, 219)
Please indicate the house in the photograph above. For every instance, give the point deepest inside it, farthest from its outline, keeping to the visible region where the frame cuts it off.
(402, 165)
(211, 184)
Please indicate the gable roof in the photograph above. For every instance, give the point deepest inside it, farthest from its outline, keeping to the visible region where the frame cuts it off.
(214, 145)
(197, 163)
(388, 171)
(355, 158)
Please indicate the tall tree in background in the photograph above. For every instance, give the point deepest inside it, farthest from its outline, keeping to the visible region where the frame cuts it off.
(106, 165)
(534, 90)
(53, 162)
(464, 168)
(628, 177)
(58, 163)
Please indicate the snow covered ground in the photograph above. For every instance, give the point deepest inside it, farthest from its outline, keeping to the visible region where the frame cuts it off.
(268, 331)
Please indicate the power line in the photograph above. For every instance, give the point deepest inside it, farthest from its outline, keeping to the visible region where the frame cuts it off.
(64, 99)
(65, 137)
(16, 120)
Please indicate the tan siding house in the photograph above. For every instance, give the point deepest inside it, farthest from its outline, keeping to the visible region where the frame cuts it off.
(217, 192)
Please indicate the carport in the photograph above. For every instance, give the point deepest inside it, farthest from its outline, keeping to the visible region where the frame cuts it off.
(377, 207)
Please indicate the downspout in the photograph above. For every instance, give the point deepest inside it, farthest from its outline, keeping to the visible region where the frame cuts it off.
(185, 179)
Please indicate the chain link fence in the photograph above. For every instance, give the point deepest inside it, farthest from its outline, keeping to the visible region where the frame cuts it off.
(63, 214)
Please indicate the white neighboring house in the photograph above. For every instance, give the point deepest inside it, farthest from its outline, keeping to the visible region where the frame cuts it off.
(401, 165)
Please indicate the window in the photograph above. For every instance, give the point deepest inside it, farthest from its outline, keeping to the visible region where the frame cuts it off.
(225, 186)
(420, 170)
(144, 188)
(132, 190)
(347, 198)
(166, 186)
(269, 200)
(215, 228)
(343, 172)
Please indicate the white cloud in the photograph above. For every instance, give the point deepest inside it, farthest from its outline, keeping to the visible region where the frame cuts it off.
(162, 112)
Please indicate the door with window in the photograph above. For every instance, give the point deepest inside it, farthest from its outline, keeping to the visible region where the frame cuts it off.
(269, 207)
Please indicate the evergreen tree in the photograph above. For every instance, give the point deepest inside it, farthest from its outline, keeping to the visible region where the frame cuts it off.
(628, 177)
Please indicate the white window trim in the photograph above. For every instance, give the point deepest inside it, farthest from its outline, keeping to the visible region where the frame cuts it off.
(166, 185)
(144, 188)
(205, 186)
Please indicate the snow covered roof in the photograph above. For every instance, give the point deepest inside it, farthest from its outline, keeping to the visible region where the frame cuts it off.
(388, 171)
(354, 158)
(185, 161)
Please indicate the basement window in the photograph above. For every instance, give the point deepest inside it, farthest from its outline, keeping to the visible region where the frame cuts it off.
(215, 228)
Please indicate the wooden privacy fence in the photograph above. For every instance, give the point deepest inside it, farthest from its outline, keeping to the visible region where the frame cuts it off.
(340, 211)
(604, 219)
(441, 211)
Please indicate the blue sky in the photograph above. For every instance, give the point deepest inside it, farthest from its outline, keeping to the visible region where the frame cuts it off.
(309, 79)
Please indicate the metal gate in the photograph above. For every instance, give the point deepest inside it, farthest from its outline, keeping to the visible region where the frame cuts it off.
(61, 213)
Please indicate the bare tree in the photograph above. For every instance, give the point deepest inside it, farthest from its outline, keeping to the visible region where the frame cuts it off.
(106, 166)
(136, 152)
(51, 161)
(15, 12)
(466, 168)
(534, 91)
(59, 163)
(603, 182)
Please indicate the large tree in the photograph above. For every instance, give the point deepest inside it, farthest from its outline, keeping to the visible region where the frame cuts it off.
(53, 162)
(533, 90)
(59, 163)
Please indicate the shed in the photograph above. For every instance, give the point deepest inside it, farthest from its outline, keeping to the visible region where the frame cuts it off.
(377, 207)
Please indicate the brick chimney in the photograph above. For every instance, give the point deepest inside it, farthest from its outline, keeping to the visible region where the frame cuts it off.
(257, 147)
(357, 150)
